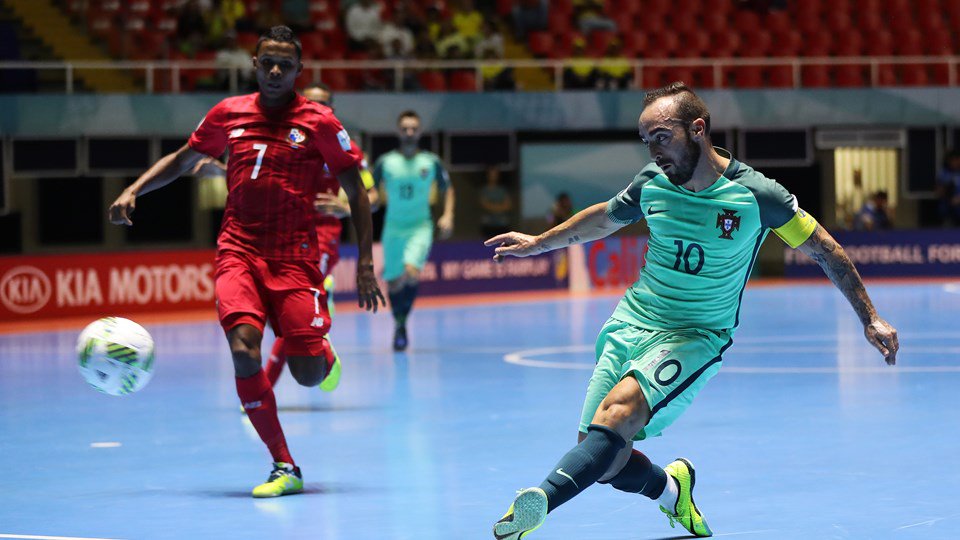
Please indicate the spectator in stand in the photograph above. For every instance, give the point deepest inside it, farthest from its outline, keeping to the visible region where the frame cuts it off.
(529, 16)
(232, 56)
(434, 22)
(562, 210)
(490, 40)
(396, 39)
(224, 18)
(413, 15)
(425, 47)
(451, 44)
(615, 72)
(580, 71)
(467, 20)
(296, 14)
(495, 204)
(948, 189)
(363, 23)
(496, 76)
(589, 16)
(874, 214)
(191, 28)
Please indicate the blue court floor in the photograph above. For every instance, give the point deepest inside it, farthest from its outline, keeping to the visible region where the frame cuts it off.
(804, 434)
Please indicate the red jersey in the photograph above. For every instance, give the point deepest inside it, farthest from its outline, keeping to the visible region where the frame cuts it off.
(276, 155)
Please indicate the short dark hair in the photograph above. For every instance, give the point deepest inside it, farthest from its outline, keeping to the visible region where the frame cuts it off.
(409, 113)
(689, 105)
(280, 34)
(321, 86)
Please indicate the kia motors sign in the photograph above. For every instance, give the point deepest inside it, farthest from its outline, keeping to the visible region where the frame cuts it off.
(105, 284)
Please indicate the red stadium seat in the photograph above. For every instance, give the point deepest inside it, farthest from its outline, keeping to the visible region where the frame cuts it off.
(887, 75)
(914, 75)
(938, 42)
(705, 77)
(598, 41)
(540, 44)
(655, 77)
(694, 45)
(787, 44)
(716, 22)
(745, 77)
(838, 22)
(778, 21)
(940, 74)
(852, 76)
(463, 81)
(724, 44)
(559, 22)
(870, 21)
(432, 81)
(756, 44)
(880, 43)
(848, 43)
(818, 43)
(746, 21)
(313, 44)
(815, 76)
(634, 43)
(504, 7)
(909, 42)
(336, 79)
(780, 76)
(661, 45)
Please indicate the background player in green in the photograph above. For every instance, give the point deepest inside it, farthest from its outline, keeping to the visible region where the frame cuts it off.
(708, 214)
(406, 177)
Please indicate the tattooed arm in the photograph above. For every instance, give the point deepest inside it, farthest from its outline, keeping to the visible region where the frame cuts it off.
(585, 226)
(822, 248)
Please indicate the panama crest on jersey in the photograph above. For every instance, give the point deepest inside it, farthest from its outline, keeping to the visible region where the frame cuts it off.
(728, 222)
(296, 136)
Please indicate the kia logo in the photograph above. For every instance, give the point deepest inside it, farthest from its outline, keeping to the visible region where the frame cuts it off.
(25, 289)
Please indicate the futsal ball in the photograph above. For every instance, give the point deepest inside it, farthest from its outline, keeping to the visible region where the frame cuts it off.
(115, 355)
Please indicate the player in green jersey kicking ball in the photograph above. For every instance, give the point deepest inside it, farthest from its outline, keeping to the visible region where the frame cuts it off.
(406, 176)
(708, 214)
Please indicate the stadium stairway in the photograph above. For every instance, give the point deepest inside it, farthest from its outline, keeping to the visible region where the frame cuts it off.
(54, 28)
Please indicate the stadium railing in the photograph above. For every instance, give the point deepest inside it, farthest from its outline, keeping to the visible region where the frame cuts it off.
(179, 75)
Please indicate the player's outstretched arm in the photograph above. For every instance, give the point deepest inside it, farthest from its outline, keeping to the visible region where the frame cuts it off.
(369, 295)
(831, 257)
(445, 221)
(585, 226)
(166, 170)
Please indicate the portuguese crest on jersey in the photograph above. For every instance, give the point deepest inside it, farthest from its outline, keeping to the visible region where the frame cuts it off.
(728, 222)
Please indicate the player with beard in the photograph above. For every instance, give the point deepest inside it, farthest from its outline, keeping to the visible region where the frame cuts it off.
(708, 214)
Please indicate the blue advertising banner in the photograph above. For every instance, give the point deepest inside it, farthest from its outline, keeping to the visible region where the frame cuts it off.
(889, 254)
(464, 268)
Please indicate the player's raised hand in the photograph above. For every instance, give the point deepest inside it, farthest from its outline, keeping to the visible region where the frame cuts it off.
(368, 291)
(122, 208)
(513, 243)
(884, 337)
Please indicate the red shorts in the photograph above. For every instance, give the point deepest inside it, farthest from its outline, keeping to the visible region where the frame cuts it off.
(287, 294)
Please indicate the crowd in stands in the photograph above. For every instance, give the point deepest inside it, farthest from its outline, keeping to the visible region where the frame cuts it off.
(616, 31)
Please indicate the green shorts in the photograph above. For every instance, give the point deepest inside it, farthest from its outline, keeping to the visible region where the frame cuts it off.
(404, 246)
(670, 365)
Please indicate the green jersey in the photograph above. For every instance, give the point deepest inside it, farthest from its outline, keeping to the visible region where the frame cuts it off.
(702, 244)
(407, 182)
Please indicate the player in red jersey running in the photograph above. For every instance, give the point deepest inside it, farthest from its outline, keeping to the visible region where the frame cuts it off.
(267, 252)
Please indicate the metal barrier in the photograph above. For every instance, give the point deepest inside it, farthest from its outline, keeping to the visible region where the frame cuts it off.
(165, 76)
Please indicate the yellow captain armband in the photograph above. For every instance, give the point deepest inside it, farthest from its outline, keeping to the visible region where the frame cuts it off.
(367, 178)
(798, 229)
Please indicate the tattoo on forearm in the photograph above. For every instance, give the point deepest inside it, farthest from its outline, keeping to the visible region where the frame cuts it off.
(841, 271)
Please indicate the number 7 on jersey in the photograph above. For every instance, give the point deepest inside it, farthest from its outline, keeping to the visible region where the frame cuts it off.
(256, 168)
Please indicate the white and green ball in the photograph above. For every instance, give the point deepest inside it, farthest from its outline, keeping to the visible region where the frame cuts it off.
(115, 355)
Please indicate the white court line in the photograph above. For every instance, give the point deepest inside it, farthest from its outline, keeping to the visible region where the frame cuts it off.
(525, 358)
(29, 537)
(952, 288)
(105, 445)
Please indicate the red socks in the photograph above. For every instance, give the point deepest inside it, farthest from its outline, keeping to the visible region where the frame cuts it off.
(275, 363)
(256, 395)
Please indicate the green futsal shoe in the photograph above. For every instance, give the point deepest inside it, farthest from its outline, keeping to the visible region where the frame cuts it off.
(525, 515)
(686, 511)
(285, 479)
(332, 380)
